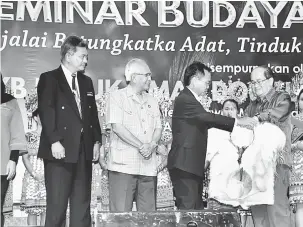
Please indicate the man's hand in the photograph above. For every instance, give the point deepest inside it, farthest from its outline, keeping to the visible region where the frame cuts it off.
(10, 170)
(146, 150)
(247, 122)
(58, 150)
(153, 147)
(96, 152)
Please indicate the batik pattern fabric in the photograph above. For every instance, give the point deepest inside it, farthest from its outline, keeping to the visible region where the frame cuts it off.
(165, 197)
(296, 177)
(8, 202)
(205, 188)
(33, 197)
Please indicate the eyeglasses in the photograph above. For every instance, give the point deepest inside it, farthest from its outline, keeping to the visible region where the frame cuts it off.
(148, 75)
(259, 82)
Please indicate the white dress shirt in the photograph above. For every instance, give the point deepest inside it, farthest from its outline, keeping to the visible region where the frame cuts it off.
(69, 78)
(195, 94)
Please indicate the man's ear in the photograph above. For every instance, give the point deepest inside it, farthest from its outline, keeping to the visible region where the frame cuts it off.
(68, 55)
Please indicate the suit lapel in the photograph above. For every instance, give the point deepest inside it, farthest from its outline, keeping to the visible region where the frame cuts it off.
(65, 88)
(191, 96)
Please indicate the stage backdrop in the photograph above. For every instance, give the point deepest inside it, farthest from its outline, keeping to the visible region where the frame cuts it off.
(230, 37)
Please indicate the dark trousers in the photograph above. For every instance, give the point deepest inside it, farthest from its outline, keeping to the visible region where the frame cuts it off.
(187, 189)
(125, 188)
(68, 182)
(4, 188)
(278, 214)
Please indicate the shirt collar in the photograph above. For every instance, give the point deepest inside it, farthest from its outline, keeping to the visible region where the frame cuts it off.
(131, 93)
(67, 73)
(194, 93)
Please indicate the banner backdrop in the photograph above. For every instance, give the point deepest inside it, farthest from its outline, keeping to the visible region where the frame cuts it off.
(230, 37)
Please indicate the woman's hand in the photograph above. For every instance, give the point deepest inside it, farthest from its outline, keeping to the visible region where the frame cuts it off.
(102, 161)
(38, 177)
(11, 170)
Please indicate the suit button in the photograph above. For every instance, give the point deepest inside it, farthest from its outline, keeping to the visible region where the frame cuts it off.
(90, 106)
(81, 130)
(64, 128)
(62, 107)
(91, 126)
(144, 132)
(143, 120)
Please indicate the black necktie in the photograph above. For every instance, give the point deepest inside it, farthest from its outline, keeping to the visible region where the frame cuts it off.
(74, 82)
(76, 94)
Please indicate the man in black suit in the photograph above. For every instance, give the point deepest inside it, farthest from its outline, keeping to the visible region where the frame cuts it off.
(71, 135)
(190, 123)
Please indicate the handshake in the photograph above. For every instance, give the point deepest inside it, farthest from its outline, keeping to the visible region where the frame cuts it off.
(147, 149)
(247, 122)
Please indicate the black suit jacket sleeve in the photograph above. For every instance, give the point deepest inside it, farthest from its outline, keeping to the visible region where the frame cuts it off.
(196, 112)
(96, 124)
(46, 90)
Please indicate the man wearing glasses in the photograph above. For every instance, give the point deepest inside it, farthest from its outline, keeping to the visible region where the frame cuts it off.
(274, 107)
(134, 118)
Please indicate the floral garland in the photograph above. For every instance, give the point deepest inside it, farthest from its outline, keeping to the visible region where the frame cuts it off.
(205, 102)
(31, 104)
(165, 105)
(102, 100)
(238, 91)
(101, 103)
(219, 93)
(234, 90)
(296, 84)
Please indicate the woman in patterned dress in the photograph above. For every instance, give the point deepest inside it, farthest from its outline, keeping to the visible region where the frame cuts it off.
(296, 178)
(165, 197)
(33, 198)
(13, 144)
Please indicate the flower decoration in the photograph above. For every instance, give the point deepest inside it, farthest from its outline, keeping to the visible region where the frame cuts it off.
(234, 90)
(296, 85)
(31, 104)
(206, 102)
(101, 103)
(219, 92)
(163, 99)
(279, 86)
(166, 136)
(238, 91)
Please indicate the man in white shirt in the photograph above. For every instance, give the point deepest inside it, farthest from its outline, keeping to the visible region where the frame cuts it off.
(134, 117)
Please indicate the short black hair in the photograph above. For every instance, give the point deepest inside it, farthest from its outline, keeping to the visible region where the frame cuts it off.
(233, 101)
(70, 44)
(192, 70)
